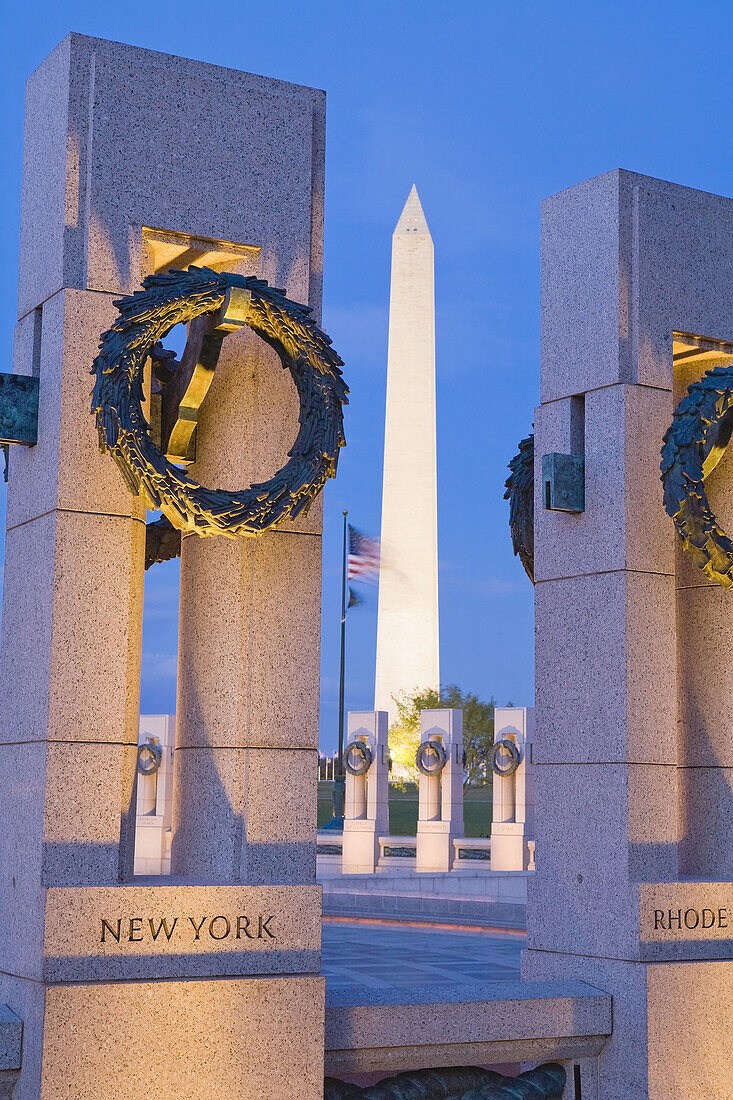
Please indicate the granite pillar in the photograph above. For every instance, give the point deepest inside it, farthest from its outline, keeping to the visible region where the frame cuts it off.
(440, 796)
(136, 161)
(366, 816)
(512, 819)
(249, 638)
(632, 744)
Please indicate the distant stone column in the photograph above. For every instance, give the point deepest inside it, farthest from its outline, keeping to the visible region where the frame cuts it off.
(633, 753)
(512, 822)
(367, 795)
(407, 622)
(440, 795)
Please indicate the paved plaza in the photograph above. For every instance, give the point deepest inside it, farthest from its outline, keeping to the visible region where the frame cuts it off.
(377, 955)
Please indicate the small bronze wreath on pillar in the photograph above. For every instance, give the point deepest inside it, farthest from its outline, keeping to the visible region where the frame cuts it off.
(431, 758)
(693, 446)
(180, 297)
(513, 753)
(149, 758)
(358, 758)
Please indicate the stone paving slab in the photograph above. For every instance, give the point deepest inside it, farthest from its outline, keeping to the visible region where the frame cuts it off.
(380, 956)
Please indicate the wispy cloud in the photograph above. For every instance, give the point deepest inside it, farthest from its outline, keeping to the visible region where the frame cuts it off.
(159, 666)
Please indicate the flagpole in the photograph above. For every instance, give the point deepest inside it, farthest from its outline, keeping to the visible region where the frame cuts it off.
(339, 783)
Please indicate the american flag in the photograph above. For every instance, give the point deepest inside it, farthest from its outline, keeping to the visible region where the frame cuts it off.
(363, 556)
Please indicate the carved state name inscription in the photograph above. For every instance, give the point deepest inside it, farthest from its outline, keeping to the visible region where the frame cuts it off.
(671, 920)
(190, 929)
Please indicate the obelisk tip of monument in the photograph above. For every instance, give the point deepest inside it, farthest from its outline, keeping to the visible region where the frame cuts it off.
(412, 218)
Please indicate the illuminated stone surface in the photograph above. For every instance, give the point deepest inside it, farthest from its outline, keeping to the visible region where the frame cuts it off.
(434, 1024)
(215, 1035)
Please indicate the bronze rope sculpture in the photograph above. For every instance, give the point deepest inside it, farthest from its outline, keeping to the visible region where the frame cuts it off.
(181, 297)
(546, 1082)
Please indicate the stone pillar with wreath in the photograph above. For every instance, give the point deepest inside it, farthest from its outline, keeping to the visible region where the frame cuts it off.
(440, 761)
(230, 444)
(512, 823)
(366, 760)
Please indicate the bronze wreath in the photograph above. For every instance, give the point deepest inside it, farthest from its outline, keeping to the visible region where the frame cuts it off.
(149, 758)
(515, 758)
(693, 445)
(145, 317)
(362, 758)
(520, 494)
(431, 757)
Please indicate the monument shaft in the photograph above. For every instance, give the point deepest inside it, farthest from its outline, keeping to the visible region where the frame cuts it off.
(407, 629)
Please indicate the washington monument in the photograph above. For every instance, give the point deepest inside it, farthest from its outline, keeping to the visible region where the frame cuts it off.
(407, 624)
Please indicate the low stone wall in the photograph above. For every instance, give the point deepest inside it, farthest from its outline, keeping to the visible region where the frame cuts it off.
(391, 1030)
(485, 898)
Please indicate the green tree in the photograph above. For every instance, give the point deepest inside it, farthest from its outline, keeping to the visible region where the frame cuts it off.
(478, 732)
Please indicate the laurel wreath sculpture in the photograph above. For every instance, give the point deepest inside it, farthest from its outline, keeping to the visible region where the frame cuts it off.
(520, 494)
(145, 317)
(693, 446)
(694, 443)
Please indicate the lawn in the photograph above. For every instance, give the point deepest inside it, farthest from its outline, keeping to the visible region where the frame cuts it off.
(403, 809)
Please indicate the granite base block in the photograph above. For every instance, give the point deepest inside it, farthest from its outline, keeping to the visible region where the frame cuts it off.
(234, 1038)
(162, 928)
(686, 920)
(671, 1023)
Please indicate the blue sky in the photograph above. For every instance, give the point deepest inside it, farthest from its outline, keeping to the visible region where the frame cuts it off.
(487, 107)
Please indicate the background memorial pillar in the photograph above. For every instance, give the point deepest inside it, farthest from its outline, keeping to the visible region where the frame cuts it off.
(633, 647)
(512, 822)
(366, 815)
(440, 814)
(136, 160)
